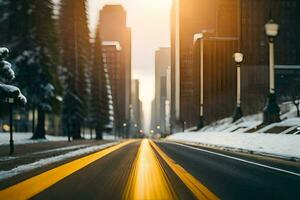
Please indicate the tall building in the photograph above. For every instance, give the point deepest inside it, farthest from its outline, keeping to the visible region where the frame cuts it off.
(189, 17)
(136, 117)
(153, 117)
(168, 101)
(229, 26)
(162, 63)
(113, 27)
(111, 54)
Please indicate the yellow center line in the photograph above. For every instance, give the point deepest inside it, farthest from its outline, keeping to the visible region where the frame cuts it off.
(148, 180)
(194, 185)
(32, 186)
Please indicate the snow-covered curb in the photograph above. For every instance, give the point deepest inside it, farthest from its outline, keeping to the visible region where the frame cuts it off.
(28, 167)
(278, 145)
(24, 138)
(9, 158)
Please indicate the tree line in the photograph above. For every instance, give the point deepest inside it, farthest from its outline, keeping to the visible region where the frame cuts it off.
(58, 68)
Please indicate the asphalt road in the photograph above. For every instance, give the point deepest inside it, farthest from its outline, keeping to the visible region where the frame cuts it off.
(231, 179)
(107, 179)
(160, 170)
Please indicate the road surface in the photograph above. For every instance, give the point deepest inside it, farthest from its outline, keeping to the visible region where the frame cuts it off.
(144, 169)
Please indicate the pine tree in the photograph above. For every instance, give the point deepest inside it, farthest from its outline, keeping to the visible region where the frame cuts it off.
(32, 38)
(4, 14)
(7, 75)
(75, 59)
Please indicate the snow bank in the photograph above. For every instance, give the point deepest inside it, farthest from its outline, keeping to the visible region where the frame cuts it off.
(288, 111)
(9, 158)
(274, 144)
(24, 138)
(28, 167)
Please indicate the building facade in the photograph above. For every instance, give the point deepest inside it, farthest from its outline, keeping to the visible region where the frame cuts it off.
(229, 26)
(111, 54)
(136, 114)
(113, 27)
(254, 44)
(219, 20)
(162, 63)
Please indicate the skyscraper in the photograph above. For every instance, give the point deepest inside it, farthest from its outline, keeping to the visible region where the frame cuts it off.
(218, 19)
(136, 117)
(111, 54)
(113, 27)
(162, 63)
(229, 26)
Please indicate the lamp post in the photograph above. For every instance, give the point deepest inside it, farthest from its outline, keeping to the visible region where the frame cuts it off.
(238, 114)
(199, 37)
(183, 126)
(158, 128)
(271, 110)
(124, 127)
(10, 102)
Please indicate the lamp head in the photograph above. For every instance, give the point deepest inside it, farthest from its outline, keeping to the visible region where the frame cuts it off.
(198, 36)
(238, 57)
(271, 29)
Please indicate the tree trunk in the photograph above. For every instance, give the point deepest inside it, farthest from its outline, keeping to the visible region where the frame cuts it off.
(297, 107)
(33, 119)
(76, 130)
(99, 133)
(40, 131)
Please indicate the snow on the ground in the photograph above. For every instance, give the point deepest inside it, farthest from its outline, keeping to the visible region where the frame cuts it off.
(242, 125)
(288, 111)
(225, 134)
(9, 158)
(106, 136)
(46, 161)
(274, 144)
(24, 138)
(62, 149)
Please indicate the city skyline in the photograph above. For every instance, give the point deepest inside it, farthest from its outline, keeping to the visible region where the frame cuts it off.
(146, 39)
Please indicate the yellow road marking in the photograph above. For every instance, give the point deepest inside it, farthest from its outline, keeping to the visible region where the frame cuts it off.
(147, 178)
(32, 186)
(197, 188)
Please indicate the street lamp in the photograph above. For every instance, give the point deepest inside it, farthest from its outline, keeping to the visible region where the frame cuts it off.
(271, 110)
(199, 37)
(124, 129)
(183, 126)
(10, 101)
(238, 114)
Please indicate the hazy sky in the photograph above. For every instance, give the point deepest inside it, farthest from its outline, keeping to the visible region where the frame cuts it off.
(150, 24)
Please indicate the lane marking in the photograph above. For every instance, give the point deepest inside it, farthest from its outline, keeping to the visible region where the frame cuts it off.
(239, 159)
(32, 186)
(148, 179)
(194, 185)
